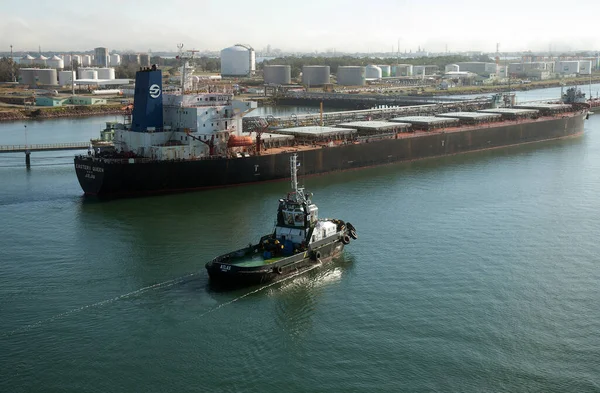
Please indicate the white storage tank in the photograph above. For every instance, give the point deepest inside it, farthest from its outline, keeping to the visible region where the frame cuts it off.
(47, 76)
(106, 73)
(76, 59)
(86, 60)
(585, 67)
(386, 70)
(27, 60)
(27, 76)
(67, 60)
(316, 75)
(351, 76)
(115, 60)
(40, 60)
(452, 68)
(373, 72)
(66, 77)
(238, 60)
(88, 73)
(278, 74)
(56, 62)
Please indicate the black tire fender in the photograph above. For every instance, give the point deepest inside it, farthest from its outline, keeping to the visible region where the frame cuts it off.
(278, 270)
(345, 239)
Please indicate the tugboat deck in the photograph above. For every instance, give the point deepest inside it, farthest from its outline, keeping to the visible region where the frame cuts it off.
(253, 260)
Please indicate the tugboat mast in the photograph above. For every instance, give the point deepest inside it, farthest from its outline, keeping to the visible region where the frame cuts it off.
(297, 192)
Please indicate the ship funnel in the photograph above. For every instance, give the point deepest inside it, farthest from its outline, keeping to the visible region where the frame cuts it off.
(147, 101)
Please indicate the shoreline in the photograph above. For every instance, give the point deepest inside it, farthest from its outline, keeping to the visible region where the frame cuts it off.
(17, 114)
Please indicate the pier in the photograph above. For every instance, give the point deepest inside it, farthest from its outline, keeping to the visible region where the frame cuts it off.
(27, 149)
(44, 147)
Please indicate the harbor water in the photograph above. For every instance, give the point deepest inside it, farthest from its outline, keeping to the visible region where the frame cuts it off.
(472, 273)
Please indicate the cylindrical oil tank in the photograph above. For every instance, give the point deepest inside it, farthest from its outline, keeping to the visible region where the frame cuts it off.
(56, 62)
(47, 76)
(66, 77)
(115, 59)
(403, 70)
(41, 60)
(76, 59)
(106, 73)
(86, 60)
(373, 72)
(316, 75)
(237, 60)
(88, 73)
(27, 76)
(386, 70)
(278, 74)
(452, 68)
(351, 76)
(67, 60)
(27, 60)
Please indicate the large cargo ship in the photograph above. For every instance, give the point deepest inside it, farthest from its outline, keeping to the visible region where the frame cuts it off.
(180, 142)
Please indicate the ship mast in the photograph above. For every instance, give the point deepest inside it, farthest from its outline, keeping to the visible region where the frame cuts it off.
(298, 192)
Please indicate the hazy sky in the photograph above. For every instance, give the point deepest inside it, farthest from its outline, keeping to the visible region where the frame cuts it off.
(305, 25)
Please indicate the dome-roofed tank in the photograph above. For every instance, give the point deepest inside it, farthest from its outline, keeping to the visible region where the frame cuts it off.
(56, 62)
(238, 60)
(27, 59)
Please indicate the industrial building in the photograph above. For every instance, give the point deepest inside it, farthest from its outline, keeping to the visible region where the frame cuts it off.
(74, 100)
(278, 74)
(316, 75)
(585, 67)
(478, 67)
(238, 60)
(101, 57)
(568, 67)
(351, 76)
(452, 68)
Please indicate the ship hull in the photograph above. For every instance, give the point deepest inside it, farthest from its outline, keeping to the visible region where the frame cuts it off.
(130, 177)
(230, 275)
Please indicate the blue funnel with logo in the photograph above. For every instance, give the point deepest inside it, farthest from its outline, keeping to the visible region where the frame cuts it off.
(147, 101)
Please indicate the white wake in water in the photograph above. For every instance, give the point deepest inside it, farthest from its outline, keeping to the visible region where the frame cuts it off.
(140, 291)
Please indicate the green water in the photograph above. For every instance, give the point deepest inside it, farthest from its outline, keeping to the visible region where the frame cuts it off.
(471, 273)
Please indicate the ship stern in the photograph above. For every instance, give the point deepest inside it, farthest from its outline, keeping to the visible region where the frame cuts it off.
(90, 174)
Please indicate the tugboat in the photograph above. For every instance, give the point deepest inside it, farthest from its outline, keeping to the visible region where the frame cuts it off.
(300, 240)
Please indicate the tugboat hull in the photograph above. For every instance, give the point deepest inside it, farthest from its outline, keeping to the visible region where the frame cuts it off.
(228, 274)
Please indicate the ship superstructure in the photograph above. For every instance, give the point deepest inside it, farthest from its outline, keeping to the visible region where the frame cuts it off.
(179, 125)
